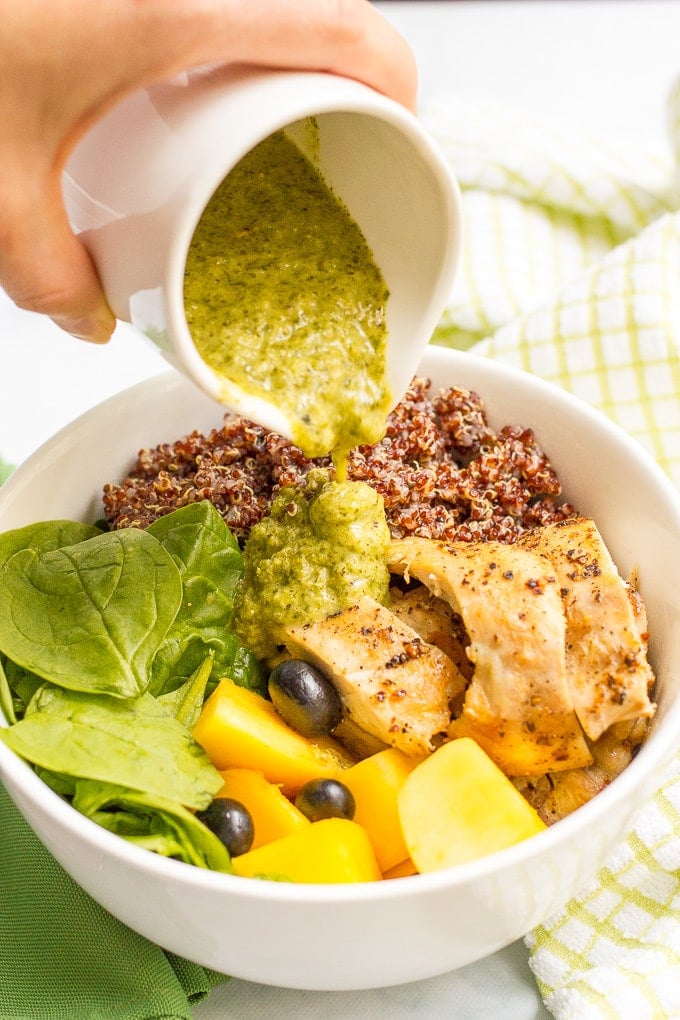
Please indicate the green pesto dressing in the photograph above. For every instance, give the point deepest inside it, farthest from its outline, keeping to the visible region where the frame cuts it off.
(283, 298)
(321, 549)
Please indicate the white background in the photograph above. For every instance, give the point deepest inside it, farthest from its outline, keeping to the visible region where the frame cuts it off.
(603, 67)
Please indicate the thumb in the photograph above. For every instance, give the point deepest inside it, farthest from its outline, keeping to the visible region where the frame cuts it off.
(43, 266)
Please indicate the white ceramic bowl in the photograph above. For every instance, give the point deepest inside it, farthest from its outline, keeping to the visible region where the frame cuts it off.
(367, 935)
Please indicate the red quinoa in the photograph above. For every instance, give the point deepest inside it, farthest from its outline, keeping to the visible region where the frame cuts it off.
(442, 470)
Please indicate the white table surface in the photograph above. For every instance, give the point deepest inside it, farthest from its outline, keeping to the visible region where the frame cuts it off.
(602, 66)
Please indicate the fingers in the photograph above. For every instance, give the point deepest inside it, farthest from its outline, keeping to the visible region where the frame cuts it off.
(43, 267)
(347, 37)
(89, 55)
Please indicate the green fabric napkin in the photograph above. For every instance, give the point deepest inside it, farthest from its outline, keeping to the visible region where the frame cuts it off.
(63, 957)
(571, 270)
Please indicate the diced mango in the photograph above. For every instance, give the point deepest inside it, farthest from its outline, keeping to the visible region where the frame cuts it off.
(240, 729)
(330, 851)
(401, 870)
(375, 783)
(457, 806)
(274, 816)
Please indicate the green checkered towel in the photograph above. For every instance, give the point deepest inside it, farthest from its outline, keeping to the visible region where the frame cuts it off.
(571, 270)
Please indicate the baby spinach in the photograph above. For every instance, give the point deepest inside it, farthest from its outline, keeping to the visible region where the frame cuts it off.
(109, 643)
(135, 743)
(89, 616)
(210, 565)
(22, 683)
(44, 535)
(186, 702)
(18, 685)
(7, 710)
(156, 823)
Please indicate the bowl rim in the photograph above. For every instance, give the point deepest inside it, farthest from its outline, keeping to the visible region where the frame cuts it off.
(653, 755)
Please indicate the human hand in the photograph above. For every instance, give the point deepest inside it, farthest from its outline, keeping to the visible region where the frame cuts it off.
(65, 65)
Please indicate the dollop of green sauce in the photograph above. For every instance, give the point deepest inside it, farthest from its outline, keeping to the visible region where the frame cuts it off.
(283, 298)
(321, 549)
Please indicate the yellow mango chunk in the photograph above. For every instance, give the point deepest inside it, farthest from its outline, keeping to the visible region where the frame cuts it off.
(238, 728)
(375, 783)
(457, 806)
(330, 851)
(274, 816)
(401, 870)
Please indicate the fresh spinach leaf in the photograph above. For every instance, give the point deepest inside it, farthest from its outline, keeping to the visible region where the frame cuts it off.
(246, 669)
(156, 823)
(7, 711)
(65, 786)
(44, 536)
(89, 616)
(134, 743)
(18, 685)
(22, 683)
(210, 565)
(186, 702)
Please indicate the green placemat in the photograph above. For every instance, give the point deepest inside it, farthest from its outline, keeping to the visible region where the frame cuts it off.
(63, 957)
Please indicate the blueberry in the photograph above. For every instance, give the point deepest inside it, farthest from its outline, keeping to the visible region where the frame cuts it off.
(305, 698)
(231, 822)
(325, 798)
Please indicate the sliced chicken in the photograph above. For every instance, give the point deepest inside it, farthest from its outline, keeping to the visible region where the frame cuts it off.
(606, 655)
(393, 684)
(518, 706)
(435, 621)
(556, 795)
(358, 742)
(437, 624)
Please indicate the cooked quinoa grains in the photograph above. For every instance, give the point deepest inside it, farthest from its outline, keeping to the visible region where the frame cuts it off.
(442, 471)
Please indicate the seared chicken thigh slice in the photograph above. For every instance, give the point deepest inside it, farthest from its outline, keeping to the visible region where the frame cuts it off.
(437, 624)
(555, 795)
(393, 684)
(518, 706)
(606, 655)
